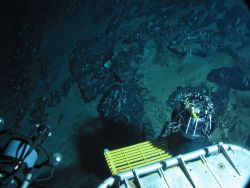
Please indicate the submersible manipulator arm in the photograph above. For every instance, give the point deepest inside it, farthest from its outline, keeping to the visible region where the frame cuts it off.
(20, 153)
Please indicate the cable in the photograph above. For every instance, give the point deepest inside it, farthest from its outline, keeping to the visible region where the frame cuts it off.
(49, 176)
(47, 155)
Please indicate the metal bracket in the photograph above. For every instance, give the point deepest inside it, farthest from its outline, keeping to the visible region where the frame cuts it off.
(203, 159)
(226, 155)
(137, 178)
(126, 183)
(160, 171)
(185, 170)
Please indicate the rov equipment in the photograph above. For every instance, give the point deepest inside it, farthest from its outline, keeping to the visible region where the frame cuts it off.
(23, 159)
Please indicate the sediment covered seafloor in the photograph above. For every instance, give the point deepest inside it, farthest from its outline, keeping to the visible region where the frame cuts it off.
(108, 73)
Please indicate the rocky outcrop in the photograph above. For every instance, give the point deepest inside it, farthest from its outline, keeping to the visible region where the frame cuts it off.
(232, 77)
(122, 114)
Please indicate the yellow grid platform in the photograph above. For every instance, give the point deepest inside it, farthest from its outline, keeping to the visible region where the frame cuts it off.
(137, 155)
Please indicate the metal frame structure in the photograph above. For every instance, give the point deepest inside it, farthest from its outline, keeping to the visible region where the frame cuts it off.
(238, 168)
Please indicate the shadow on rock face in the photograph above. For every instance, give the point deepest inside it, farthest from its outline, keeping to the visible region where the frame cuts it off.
(247, 2)
(90, 144)
(91, 167)
(72, 176)
(121, 133)
(92, 139)
(181, 145)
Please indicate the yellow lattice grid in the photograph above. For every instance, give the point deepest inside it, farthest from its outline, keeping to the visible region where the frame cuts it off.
(142, 154)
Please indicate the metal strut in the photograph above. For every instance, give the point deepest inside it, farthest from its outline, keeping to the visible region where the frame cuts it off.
(226, 155)
(185, 170)
(163, 176)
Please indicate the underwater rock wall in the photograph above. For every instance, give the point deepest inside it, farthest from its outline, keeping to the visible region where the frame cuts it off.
(110, 60)
(134, 59)
(201, 29)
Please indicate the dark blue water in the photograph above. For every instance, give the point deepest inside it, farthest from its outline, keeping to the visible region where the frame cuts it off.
(106, 74)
